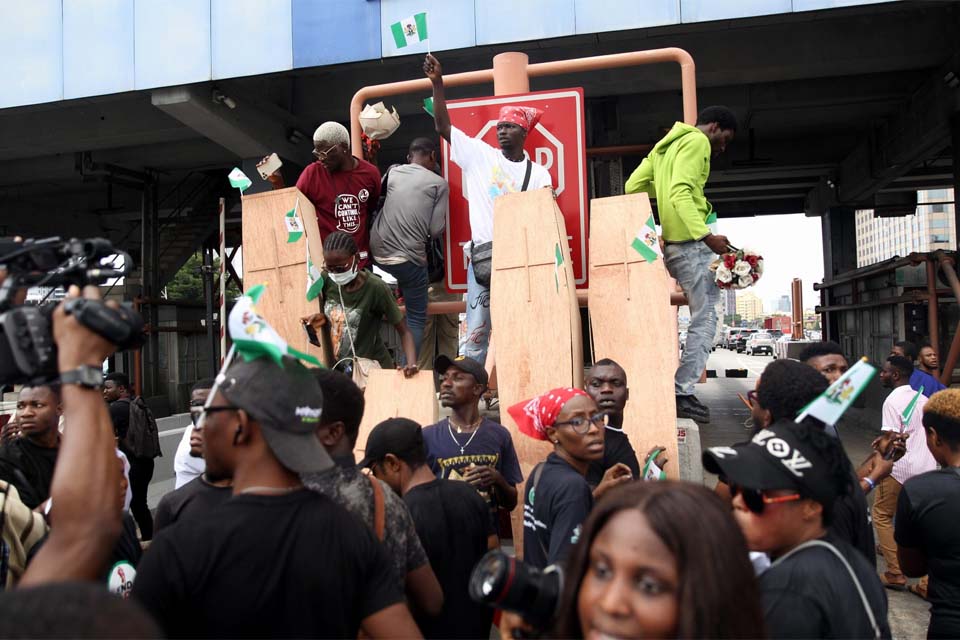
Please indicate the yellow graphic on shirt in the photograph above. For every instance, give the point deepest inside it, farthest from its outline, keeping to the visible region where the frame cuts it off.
(501, 183)
(456, 468)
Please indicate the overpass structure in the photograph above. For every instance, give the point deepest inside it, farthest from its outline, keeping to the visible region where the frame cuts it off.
(122, 118)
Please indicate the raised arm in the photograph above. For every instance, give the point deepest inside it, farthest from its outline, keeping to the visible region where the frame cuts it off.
(441, 118)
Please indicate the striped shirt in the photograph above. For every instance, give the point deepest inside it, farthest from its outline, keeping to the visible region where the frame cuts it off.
(22, 530)
(918, 458)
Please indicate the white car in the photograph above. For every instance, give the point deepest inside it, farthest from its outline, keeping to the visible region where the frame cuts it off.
(760, 342)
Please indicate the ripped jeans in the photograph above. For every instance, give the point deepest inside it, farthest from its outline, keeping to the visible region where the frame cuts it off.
(478, 319)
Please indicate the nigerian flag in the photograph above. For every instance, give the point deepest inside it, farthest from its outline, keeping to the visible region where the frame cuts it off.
(557, 264)
(410, 30)
(314, 278)
(646, 243)
(832, 403)
(239, 180)
(712, 222)
(253, 337)
(294, 225)
(908, 411)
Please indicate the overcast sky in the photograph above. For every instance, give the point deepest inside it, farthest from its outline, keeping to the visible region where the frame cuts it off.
(791, 248)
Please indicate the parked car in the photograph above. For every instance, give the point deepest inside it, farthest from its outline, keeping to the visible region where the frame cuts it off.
(741, 343)
(759, 342)
(729, 340)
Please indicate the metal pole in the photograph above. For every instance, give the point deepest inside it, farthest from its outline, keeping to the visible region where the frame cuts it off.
(222, 317)
(933, 308)
(796, 304)
(207, 273)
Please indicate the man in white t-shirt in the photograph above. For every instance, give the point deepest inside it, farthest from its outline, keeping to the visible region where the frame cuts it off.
(487, 174)
(188, 461)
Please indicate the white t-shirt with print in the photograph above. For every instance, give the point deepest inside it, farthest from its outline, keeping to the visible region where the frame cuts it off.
(488, 174)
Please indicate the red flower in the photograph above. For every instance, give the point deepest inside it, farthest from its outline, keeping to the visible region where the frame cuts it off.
(729, 261)
(756, 277)
(752, 261)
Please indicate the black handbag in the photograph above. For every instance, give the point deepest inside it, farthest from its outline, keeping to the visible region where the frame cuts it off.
(481, 255)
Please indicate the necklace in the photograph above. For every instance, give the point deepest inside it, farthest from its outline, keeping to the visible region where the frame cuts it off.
(464, 446)
(273, 490)
(472, 425)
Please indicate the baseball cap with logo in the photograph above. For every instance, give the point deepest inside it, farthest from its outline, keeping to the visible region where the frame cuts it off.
(778, 457)
(465, 364)
(287, 402)
(399, 436)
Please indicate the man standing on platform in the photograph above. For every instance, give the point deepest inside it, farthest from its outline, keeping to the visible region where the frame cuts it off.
(414, 211)
(677, 169)
(342, 187)
(487, 174)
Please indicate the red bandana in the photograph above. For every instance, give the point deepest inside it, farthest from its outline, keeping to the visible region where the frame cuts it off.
(534, 416)
(526, 117)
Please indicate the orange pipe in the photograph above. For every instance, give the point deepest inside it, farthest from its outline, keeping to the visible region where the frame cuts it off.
(688, 81)
(620, 150)
(510, 73)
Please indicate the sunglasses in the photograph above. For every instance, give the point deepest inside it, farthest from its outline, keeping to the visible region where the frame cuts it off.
(755, 499)
(582, 425)
(320, 155)
(198, 413)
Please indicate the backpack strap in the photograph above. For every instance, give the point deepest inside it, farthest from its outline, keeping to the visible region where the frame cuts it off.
(526, 175)
(379, 515)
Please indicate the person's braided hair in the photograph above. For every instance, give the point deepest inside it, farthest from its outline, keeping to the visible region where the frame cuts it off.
(340, 241)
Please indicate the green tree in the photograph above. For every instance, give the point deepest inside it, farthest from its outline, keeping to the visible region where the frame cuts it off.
(187, 284)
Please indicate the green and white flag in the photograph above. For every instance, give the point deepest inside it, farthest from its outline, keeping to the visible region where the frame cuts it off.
(909, 409)
(557, 264)
(239, 180)
(646, 243)
(410, 30)
(314, 278)
(832, 403)
(428, 106)
(712, 222)
(294, 224)
(253, 337)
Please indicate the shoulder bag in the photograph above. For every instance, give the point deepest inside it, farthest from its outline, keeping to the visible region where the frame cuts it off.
(481, 255)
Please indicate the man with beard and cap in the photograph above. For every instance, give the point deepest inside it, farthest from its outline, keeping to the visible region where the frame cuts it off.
(675, 172)
(487, 174)
(276, 560)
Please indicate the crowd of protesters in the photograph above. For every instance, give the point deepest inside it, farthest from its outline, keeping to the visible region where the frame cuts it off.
(274, 529)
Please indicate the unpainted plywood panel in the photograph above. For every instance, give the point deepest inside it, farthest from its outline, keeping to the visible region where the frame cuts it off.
(391, 395)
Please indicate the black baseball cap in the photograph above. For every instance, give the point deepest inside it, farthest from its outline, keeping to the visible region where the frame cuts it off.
(287, 402)
(399, 436)
(465, 364)
(778, 457)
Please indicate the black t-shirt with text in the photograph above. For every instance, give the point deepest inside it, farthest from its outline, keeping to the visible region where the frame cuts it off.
(616, 448)
(554, 512)
(453, 524)
(295, 565)
(928, 513)
(810, 594)
(196, 498)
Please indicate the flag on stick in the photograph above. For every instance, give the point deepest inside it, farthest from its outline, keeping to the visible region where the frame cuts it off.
(294, 225)
(832, 403)
(239, 180)
(314, 278)
(410, 30)
(557, 263)
(428, 106)
(253, 337)
(909, 409)
(646, 243)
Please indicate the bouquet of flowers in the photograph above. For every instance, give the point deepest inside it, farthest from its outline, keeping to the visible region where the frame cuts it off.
(737, 269)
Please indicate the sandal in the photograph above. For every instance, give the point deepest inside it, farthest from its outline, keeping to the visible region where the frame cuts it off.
(918, 590)
(896, 585)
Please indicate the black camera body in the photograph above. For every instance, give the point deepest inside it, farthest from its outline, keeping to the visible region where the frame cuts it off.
(28, 353)
(500, 580)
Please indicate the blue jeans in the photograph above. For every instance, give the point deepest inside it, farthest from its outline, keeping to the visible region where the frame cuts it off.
(412, 280)
(478, 319)
(688, 264)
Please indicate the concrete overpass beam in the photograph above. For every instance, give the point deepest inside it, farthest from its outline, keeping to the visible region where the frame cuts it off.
(238, 127)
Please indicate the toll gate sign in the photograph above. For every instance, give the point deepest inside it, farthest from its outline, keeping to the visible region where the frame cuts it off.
(557, 142)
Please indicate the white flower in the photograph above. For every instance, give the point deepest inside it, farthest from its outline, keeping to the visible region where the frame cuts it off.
(746, 281)
(742, 268)
(723, 274)
(759, 267)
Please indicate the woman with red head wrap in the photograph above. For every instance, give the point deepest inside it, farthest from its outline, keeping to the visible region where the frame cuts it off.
(557, 497)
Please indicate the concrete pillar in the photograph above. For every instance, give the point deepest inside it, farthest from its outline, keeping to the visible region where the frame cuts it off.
(838, 229)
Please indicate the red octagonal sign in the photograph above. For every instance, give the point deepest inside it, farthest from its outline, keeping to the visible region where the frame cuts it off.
(557, 142)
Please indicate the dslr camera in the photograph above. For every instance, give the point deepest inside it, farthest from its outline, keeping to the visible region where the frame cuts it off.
(500, 580)
(28, 354)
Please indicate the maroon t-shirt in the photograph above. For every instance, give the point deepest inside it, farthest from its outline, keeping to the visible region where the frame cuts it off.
(355, 193)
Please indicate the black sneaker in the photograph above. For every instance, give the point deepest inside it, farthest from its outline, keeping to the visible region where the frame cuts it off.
(695, 400)
(687, 408)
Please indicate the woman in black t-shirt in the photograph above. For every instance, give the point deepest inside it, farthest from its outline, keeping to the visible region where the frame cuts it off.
(660, 559)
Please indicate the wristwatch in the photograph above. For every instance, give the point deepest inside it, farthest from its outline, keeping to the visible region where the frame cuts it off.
(86, 376)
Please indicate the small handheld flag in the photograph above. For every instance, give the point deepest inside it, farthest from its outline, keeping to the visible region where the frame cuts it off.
(314, 278)
(712, 222)
(239, 180)
(832, 403)
(253, 337)
(646, 243)
(428, 106)
(294, 225)
(557, 263)
(909, 409)
(410, 30)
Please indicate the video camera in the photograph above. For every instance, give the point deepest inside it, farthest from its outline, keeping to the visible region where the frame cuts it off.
(28, 353)
(500, 580)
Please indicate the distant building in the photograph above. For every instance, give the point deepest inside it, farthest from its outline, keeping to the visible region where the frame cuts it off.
(749, 306)
(784, 306)
(932, 227)
(728, 298)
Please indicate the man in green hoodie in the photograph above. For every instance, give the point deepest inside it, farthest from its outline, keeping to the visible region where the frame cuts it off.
(677, 168)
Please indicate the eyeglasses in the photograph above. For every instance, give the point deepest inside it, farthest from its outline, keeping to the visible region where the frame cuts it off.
(197, 412)
(340, 268)
(320, 155)
(582, 425)
(755, 499)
